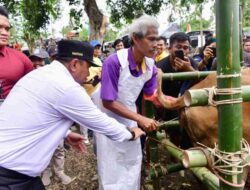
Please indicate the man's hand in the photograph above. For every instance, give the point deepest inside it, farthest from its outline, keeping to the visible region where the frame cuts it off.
(183, 65)
(75, 140)
(147, 124)
(208, 53)
(138, 132)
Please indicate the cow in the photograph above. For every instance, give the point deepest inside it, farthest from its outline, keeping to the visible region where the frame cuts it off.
(201, 122)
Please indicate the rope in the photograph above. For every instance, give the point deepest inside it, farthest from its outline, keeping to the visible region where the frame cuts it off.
(221, 76)
(223, 162)
(229, 163)
(223, 92)
(154, 167)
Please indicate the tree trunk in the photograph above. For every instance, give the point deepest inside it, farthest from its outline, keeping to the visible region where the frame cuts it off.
(97, 21)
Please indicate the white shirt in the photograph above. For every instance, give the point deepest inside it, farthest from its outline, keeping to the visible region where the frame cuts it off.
(37, 114)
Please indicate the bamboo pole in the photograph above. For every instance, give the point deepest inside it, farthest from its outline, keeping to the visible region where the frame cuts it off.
(169, 125)
(186, 75)
(194, 158)
(230, 115)
(199, 97)
(160, 171)
(153, 145)
(203, 174)
(241, 36)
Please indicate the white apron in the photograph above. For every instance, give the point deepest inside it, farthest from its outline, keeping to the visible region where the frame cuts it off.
(119, 163)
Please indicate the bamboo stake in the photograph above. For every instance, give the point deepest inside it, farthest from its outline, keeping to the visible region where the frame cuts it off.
(160, 171)
(169, 125)
(230, 115)
(153, 146)
(194, 158)
(186, 75)
(204, 175)
(199, 97)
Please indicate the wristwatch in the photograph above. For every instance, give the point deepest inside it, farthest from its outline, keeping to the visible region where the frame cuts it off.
(133, 136)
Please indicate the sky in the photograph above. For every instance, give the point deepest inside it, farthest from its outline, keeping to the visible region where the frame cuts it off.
(57, 25)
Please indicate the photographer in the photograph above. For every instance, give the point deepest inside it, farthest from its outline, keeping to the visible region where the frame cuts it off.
(177, 61)
(206, 56)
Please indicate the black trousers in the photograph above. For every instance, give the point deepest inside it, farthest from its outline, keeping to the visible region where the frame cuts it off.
(12, 180)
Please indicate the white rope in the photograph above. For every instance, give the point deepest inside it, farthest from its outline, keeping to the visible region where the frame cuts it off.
(230, 163)
(223, 91)
(221, 76)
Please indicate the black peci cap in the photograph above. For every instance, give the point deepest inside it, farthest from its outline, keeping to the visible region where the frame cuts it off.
(76, 49)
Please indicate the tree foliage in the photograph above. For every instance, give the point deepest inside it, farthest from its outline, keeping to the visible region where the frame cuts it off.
(245, 7)
(128, 10)
(195, 24)
(34, 15)
(110, 35)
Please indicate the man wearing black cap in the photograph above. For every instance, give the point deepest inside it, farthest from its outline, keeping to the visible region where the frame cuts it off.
(45, 103)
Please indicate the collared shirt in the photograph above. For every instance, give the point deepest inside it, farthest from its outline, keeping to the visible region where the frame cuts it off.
(111, 72)
(13, 66)
(160, 56)
(37, 114)
(97, 61)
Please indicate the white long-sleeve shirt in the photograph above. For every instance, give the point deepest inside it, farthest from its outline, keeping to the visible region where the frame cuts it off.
(37, 114)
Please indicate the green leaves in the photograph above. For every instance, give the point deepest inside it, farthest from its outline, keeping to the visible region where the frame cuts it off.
(35, 13)
(128, 10)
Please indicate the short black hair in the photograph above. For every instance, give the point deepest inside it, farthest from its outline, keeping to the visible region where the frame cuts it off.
(246, 40)
(117, 41)
(179, 37)
(4, 12)
(163, 38)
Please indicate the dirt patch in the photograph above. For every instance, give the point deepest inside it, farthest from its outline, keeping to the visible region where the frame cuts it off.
(80, 166)
(83, 168)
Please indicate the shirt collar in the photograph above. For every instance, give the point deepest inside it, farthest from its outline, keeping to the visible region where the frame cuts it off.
(132, 64)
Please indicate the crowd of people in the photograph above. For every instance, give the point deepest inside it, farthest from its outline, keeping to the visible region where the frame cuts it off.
(70, 82)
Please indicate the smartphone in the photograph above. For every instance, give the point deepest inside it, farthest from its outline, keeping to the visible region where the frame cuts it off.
(179, 54)
(214, 50)
(95, 80)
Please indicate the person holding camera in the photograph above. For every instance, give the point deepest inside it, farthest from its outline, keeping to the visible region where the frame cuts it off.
(207, 55)
(177, 61)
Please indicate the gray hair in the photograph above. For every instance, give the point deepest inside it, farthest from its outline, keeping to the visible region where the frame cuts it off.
(140, 26)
